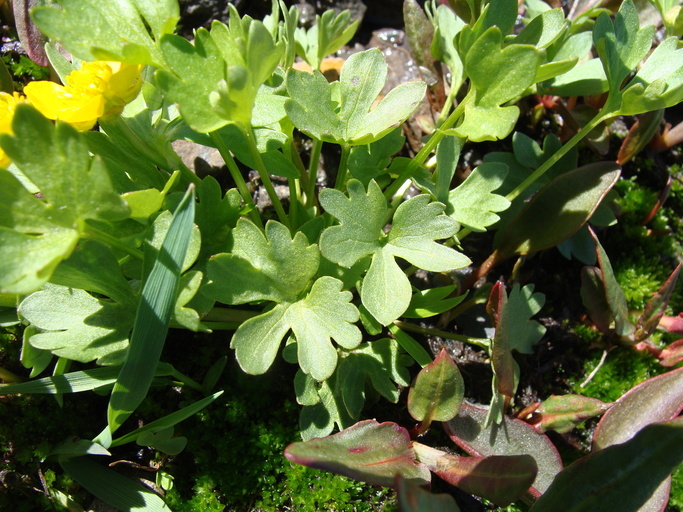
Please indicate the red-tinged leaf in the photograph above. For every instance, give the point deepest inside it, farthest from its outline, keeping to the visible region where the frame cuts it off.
(437, 392)
(562, 413)
(30, 37)
(497, 300)
(656, 306)
(501, 479)
(614, 295)
(672, 323)
(512, 437)
(369, 451)
(655, 400)
(621, 477)
(501, 352)
(413, 498)
(594, 298)
(672, 354)
(639, 135)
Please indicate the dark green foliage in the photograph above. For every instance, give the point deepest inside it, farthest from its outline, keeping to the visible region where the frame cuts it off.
(234, 454)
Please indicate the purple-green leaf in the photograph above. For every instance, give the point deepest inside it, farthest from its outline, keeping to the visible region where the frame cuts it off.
(656, 307)
(512, 437)
(369, 451)
(501, 479)
(437, 392)
(413, 498)
(621, 477)
(594, 297)
(614, 295)
(558, 210)
(30, 37)
(562, 413)
(657, 399)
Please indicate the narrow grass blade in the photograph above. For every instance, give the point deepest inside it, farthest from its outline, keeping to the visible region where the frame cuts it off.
(168, 420)
(111, 487)
(153, 316)
(75, 382)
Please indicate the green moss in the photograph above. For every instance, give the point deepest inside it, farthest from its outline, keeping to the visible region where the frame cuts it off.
(623, 368)
(234, 456)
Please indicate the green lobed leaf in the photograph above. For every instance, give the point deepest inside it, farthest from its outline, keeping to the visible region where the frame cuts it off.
(326, 312)
(621, 44)
(620, 477)
(369, 451)
(313, 111)
(126, 30)
(377, 362)
(93, 267)
(437, 391)
(543, 30)
(658, 83)
(473, 203)
(318, 420)
(356, 236)
(433, 301)
(447, 26)
(492, 85)
(523, 332)
(372, 160)
(75, 325)
(271, 266)
(76, 187)
(157, 302)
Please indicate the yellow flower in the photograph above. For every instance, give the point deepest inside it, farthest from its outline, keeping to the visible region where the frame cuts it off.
(8, 104)
(96, 90)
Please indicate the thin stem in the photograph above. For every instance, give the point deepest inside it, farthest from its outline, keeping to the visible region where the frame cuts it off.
(515, 193)
(313, 172)
(294, 193)
(556, 156)
(479, 342)
(237, 177)
(265, 178)
(93, 233)
(340, 182)
(426, 150)
(8, 376)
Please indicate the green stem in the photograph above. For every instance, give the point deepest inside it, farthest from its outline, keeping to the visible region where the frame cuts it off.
(8, 376)
(479, 342)
(294, 193)
(93, 233)
(237, 177)
(515, 193)
(340, 182)
(313, 172)
(512, 195)
(426, 150)
(265, 177)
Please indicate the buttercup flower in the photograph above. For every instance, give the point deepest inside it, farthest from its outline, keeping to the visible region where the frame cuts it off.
(96, 90)
(8, 104)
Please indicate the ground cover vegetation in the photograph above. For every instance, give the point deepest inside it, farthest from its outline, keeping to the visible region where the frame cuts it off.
(167, 335)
